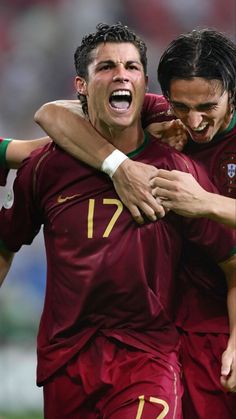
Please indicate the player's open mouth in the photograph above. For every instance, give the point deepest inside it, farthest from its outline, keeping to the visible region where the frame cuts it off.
(201, 128)
(120, 99)
(199, 133)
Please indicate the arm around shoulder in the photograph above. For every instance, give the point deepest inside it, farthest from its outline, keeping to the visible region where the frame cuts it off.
(65, 122)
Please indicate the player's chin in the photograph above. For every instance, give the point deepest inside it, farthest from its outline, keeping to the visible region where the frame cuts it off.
(123, 120)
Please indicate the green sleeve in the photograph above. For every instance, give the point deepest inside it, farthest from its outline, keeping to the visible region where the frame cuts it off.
(3, 148)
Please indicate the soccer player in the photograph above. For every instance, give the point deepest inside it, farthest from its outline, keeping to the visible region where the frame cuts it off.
(197, 74)
(201, 91)
(107, 344)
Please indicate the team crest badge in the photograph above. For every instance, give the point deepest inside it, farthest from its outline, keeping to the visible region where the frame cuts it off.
(231, 170)
(228, 174)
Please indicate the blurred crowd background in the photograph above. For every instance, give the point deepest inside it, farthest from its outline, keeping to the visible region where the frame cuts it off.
(37, 42)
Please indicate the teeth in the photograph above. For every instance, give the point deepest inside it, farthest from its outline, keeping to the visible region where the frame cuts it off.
(200, 128)
(121, 93)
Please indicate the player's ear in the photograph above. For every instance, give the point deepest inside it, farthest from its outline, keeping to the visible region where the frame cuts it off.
(81, 85)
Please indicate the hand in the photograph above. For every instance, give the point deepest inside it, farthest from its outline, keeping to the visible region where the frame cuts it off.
(132, 184)
(173, 133)
(228, 368)
(180, 192)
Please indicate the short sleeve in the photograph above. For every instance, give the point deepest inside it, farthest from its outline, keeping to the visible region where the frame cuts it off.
(155, 109)
(4, 142)
(19, 217)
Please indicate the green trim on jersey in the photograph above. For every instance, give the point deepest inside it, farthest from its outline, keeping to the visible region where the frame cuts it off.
(233, 251)
(3, 246)
(3, 148)
(229, 128)
(232, 123)
(137, 151)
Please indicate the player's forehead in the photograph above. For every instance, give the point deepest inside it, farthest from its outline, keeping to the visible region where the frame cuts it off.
(117, 52)
(196, 90)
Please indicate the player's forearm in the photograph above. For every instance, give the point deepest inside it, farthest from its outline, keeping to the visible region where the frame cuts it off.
(221, 208)
(62, 121)
(183, 194)
(18, 150)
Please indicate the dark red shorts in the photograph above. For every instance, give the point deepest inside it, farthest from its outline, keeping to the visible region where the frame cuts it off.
(111, 380)
(204, 396)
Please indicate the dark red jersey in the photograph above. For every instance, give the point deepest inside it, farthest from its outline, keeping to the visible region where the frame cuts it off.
(105, 274)
(209, 311)
(3, 167)
(219, 157)
(202, 294)
(155, 109)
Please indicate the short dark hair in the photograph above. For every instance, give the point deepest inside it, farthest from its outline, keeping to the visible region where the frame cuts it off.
(106, 33)
(115, 33)
(204, 53)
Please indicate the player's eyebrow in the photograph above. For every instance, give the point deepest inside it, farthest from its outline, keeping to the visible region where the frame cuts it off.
(198, 106)
(112, 62)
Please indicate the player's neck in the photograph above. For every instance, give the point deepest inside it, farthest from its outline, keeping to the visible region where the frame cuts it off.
(126, 139)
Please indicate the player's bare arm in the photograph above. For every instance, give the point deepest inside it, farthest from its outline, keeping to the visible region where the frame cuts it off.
(222, 209)
(6, 258)
(181, 193)
(62, 120)
(18, 150)
(228, 366)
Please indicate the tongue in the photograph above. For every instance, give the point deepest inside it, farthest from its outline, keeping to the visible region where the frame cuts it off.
(120, 104)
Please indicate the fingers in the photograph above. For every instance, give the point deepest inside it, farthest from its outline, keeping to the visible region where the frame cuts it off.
(168, 175)
(159, 185)
(228, 383)
(175, 135)
(137, 217)
(162, 194)
(131, 182)
(171, 132)
(228, 372)
(140, 215)
(172, 180)
(226, 364)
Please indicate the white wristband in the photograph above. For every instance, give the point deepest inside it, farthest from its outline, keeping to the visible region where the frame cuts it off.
(112, 162)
